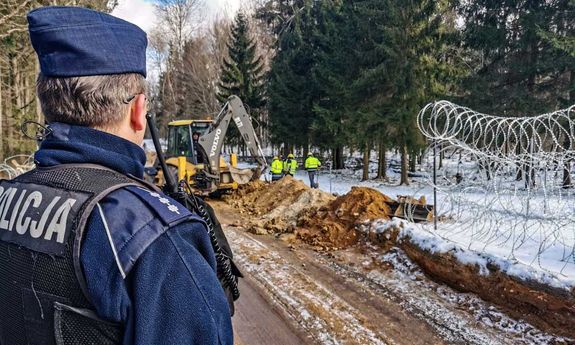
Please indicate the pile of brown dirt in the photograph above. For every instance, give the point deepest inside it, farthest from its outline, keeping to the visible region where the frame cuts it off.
(361, 204)
(244, 190)
(335, 226)
(276, 206)
(327, 223)
(316, 217)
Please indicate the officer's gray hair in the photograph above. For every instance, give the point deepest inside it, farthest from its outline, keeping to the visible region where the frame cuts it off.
(93, 101)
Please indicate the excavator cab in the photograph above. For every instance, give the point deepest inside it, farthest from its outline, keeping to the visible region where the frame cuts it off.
(181, 142)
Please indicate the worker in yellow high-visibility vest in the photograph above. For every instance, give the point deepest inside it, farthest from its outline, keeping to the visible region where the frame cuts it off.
(277, 169)
(312, 165)
(290, 165)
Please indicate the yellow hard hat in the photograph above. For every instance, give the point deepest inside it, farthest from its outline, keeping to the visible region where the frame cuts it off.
(310, 154)
(291, 155)
(275, 157)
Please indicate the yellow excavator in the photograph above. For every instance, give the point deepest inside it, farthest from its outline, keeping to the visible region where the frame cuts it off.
(194, 152)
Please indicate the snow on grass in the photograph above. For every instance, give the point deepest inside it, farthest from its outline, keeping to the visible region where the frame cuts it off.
(340, 182)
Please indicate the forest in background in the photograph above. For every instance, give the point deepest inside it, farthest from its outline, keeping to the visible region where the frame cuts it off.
(330, 75)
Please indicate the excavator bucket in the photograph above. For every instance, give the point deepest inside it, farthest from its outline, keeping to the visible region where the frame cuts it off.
(414, 210)
(242, 176)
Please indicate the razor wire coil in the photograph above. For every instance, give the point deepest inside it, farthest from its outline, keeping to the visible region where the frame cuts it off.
(511, 185)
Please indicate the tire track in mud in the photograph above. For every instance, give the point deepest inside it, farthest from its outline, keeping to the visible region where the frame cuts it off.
(324, 316)
(336, 303)
(450, 325)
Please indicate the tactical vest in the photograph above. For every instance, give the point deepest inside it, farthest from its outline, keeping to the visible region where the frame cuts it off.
(43, 293)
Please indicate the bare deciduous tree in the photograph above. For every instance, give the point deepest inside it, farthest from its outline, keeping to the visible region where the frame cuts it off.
(199, 75)
(180, 19)
(19, 67)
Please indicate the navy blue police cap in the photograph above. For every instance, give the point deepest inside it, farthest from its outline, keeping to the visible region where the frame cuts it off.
(76, 42)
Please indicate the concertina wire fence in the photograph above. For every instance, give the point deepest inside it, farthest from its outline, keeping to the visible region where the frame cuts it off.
(507, 187)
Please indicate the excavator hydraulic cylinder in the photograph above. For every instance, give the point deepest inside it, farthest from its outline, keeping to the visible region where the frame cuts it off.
(182, 168)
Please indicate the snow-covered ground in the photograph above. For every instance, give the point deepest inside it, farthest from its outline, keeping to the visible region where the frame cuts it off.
(340, 182)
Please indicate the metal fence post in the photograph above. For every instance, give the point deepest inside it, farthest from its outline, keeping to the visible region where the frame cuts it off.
(434, 185)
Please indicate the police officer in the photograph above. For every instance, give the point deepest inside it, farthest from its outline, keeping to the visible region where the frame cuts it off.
(89, 254)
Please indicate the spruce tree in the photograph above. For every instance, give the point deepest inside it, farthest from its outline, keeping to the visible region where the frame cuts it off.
(291, 91)
(335, 71)
(242, 71)
(355, 74)
(404, 67)
(242, 74)
(370, 90)
(518, 72)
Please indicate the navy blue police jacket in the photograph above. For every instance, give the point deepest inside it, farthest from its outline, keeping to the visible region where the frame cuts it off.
(171, 294)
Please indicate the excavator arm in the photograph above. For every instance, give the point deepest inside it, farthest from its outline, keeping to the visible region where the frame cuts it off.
(213, 139)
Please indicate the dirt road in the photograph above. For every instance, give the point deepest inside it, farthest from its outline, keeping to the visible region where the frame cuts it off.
(256, 320)
(354, 296)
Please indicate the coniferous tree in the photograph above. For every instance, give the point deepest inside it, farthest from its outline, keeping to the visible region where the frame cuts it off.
(242, 74)
(371, 88)
(518, 71)
(366, 67)
(242, 71)
(291, 91)
(413, 69)
(335, 71)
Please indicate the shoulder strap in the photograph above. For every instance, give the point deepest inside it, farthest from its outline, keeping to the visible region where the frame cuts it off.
(158, 214)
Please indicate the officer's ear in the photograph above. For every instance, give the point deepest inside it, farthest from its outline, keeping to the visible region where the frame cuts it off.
(138, 113)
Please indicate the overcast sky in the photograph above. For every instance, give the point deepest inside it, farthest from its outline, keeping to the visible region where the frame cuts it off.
(141, 12)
